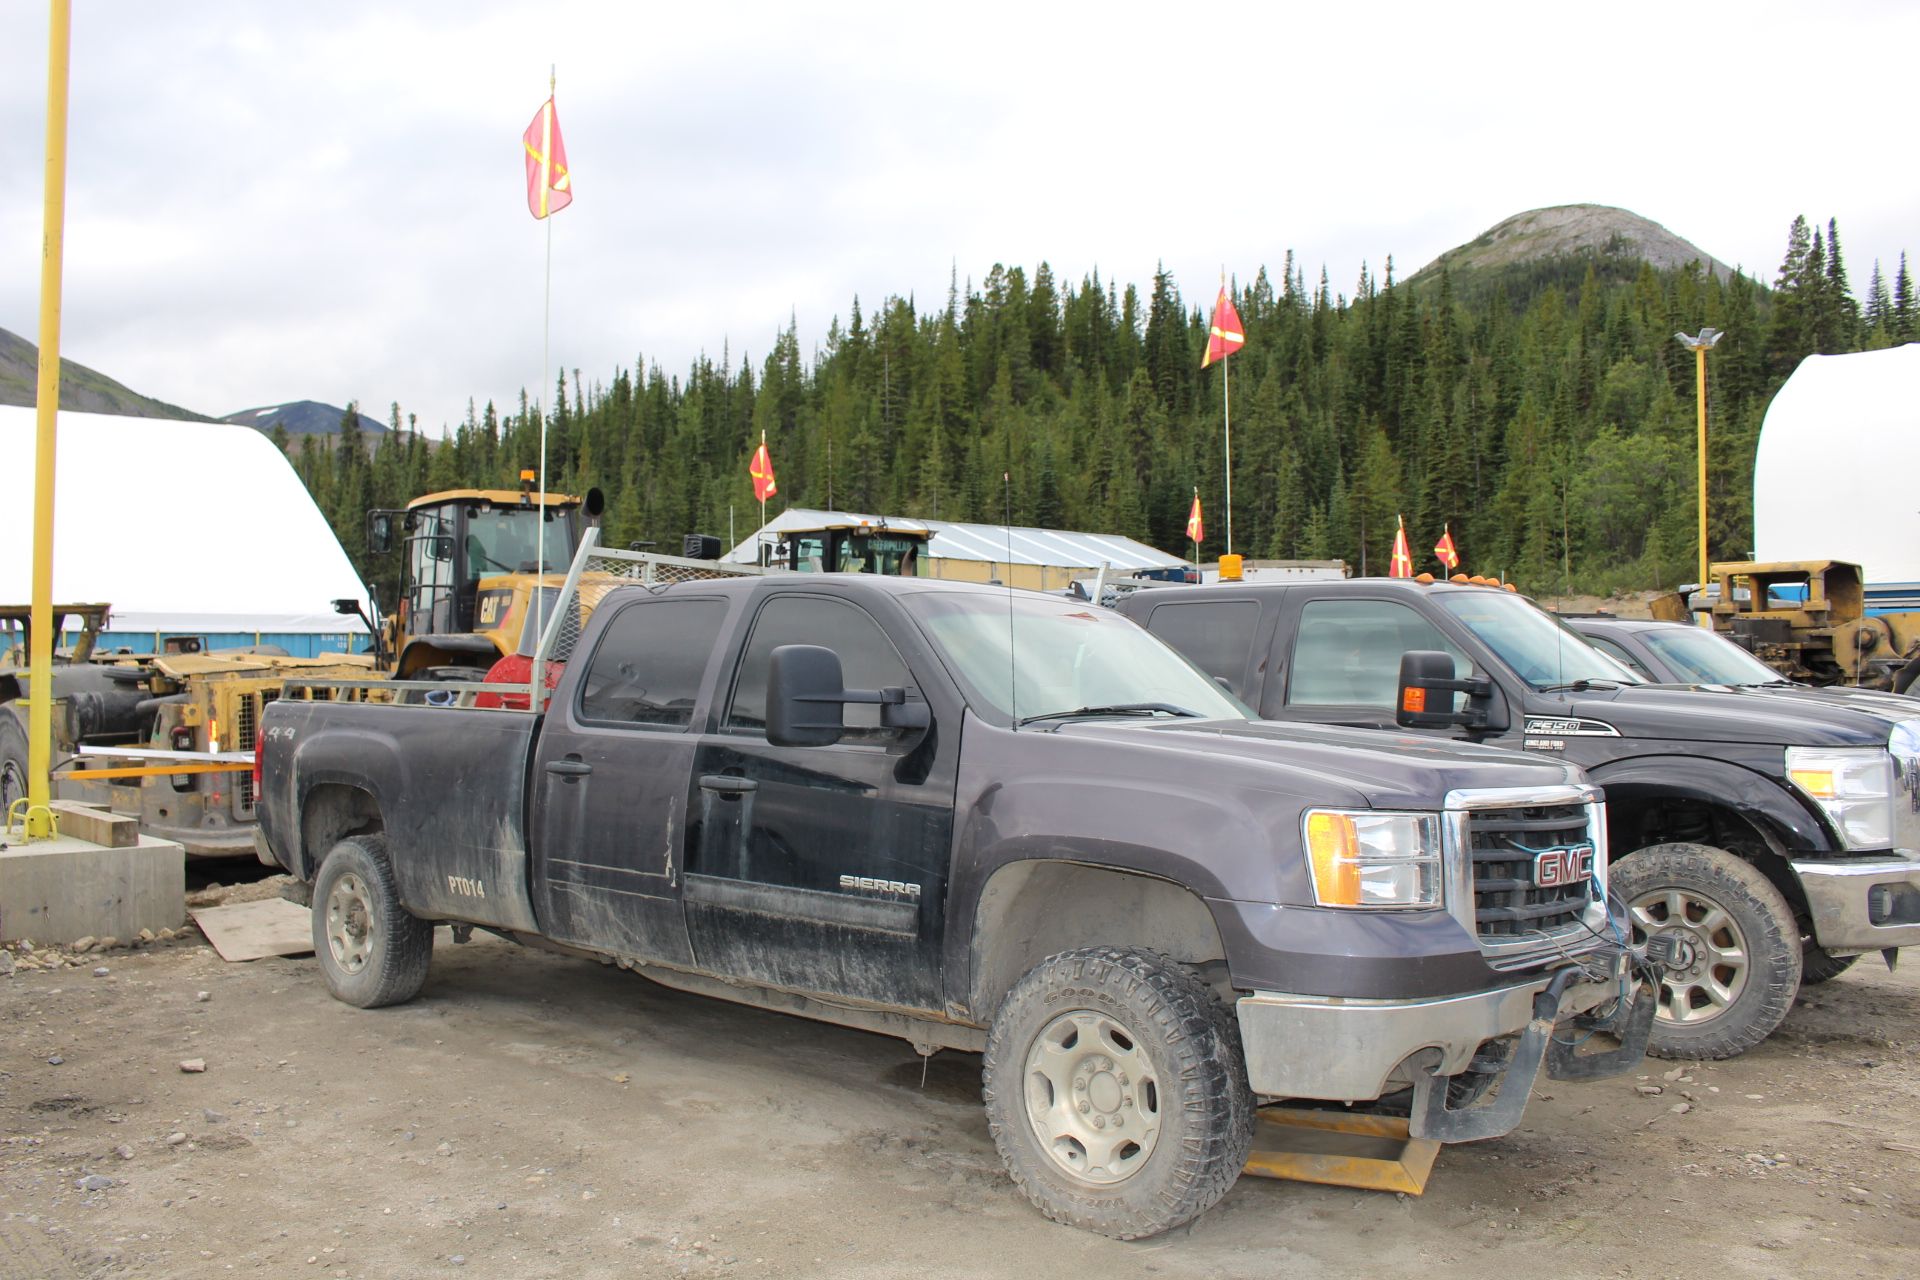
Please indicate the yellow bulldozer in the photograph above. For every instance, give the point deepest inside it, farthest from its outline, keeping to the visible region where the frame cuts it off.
(1808, 620)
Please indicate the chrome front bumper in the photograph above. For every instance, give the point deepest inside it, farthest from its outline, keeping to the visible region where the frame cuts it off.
(1347, 1050)
(1846, 896)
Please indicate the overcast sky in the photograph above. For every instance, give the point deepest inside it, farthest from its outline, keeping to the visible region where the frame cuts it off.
(272, 202)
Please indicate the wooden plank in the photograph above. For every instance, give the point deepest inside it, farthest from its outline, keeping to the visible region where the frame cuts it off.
(253, 930)
(96, 826)
(1371, 1153)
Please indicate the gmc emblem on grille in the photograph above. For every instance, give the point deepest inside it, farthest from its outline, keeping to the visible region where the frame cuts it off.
(1558, 867)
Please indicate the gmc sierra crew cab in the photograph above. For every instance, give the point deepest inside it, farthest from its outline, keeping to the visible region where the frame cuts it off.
(1769, 840)
(998, 822)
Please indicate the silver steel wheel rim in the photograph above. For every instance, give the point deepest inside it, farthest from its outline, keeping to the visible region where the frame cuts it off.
(350, 923)
(1717, 963)
(1093, 1097)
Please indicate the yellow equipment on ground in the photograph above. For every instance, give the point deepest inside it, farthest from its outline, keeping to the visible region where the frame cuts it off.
(1807, 619)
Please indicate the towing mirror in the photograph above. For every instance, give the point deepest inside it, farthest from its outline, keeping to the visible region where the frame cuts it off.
(806, 697)
(1427, 686)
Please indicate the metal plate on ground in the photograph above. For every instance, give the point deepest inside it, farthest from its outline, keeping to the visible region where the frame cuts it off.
(254, 930)
(1372, 1153)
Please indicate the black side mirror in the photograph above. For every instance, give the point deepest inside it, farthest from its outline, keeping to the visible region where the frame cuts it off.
(379, 532)
(1427, 686)
(806, 695)
(347, 606)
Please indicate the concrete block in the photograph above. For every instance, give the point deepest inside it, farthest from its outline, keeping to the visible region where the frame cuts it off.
(60, 890)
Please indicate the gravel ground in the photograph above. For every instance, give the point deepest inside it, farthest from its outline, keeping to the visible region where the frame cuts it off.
(533, 1115)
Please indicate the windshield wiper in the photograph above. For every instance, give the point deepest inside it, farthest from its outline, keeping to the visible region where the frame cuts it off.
(1115, 709)
(1766, 684)
(1580, 686)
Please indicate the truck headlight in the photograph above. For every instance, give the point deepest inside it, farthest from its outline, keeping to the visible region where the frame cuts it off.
(1368, 859)
(1853, 786)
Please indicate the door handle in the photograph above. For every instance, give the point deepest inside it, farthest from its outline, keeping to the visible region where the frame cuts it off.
(729, 786)
(569, 768)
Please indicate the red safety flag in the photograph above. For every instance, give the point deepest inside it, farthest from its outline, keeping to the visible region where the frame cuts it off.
(549, 183)
(1196, 530)
(761, 469)
(1224, 336)
(1402, 555)
(1445, 551)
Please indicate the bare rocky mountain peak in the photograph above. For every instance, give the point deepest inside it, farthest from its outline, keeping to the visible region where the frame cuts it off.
(1572, 231)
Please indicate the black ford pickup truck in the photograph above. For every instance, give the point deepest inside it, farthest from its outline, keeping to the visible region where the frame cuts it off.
(996, 822)
(1770, 840)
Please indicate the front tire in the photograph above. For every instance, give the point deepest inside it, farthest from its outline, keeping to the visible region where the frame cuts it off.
(372, 950)
(1116, 1092)
(1738, 941)
(1817, 964)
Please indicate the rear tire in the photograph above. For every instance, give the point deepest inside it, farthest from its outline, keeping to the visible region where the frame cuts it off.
(13, 761)
(1116, 1092)
(1737, 935)
(372, 950)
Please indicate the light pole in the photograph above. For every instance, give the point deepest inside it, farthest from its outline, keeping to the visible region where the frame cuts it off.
(1698, 345)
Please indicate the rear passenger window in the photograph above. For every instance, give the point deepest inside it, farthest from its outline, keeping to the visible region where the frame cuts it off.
(1347, 652)
(868, 660)
(648, 664)
(1214, 635)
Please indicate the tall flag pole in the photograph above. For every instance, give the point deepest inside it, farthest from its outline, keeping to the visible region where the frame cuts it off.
(549, 190)
(760, 470)
(1402, 566)
(1444, 551)
(1196, 529)
(1224, 337)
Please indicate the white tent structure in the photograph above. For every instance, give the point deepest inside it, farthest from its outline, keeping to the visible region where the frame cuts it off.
(1837, 474)
(199, 528)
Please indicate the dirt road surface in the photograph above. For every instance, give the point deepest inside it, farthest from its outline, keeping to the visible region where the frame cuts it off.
(533, 1115)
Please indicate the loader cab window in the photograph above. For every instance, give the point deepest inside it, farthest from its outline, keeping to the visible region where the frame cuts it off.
(504, 540)
(430, 571)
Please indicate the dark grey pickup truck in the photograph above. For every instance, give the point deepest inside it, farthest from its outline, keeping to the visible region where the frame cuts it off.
(997, 822)
(1769, 840)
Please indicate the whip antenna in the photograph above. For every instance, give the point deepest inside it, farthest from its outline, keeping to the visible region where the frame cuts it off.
(1013, 665)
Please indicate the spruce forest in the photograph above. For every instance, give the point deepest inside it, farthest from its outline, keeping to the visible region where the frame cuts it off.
(1546, 412)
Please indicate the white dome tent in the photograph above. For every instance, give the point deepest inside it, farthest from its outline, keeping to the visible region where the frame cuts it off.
(195, 528)
(1837, 472)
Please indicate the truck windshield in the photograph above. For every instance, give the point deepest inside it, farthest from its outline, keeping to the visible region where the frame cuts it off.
(1702, 657)
(1541, 649)
(1059, 657)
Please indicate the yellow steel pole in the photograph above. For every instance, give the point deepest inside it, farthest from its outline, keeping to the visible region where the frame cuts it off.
(1700, 382)
(39, 815)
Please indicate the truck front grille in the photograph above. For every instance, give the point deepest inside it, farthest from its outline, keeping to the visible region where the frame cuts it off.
(1509, 904)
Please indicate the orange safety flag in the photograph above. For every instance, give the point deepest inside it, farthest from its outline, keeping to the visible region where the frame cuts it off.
(549, 183)
(1196, 531)
(761, 469)
(1445, 551)
(1225, 336)
(1402, 555)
